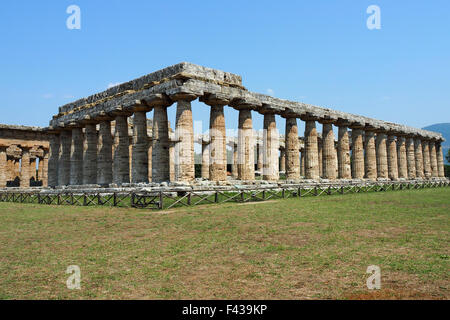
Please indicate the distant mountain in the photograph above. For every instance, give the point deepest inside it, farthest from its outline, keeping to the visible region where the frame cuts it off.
(444, 129)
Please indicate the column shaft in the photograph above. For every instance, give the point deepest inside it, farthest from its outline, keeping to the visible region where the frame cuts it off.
(302, 163)
(44, 164)
(53, 160)
(205, 161)
(426, 159)
(246, 155)
(184, 148)
(312, 152)
(382, 162)
(90, 154)
(3, 167)
(25, 170)
(440, 160)
(76, 157)
(271, 146)
(104, 158)
(292, 150)
(160, 150)
(419, 158)
(139, 158)
(433, 160)
(357, 154)
(218, 145)
(282, 160)
(402, 158)
(410, 158)
(234, 171)
(344, 170)
(370, 156)
(392, 157)
(64, 158)
(329, 152)
(121, 171)
(260, 157)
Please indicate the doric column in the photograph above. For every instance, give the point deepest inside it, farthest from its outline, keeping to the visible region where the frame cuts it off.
(76, 157)
(17, 167)
(104, 156)
(44, 165)
(259, 157)
(184, 135)
(149, 155)
(53, 160)
(433, 160)
(139, 158)
(90, 154)
(282, 160)
(419, 158)
(410, 158)
(329, 151)
(205, 160)
(320, 155)
(234, 171)
(25, 170)
(121, 169)
(292, 149)
(3, 167)
(440, 159)
(218, 144)
(402, 158)
(65, 138)
(382, 162)
(392, 157)
(271, 145)
(357, 153)
(343, 153)
(172, 161)
(370, 155)
(426, 159)
(40, 169)
(302, 162)
(246, 156)
(160, 151)
(311, 149)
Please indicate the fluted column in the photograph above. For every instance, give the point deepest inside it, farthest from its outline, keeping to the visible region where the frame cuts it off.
(90, 154)
(246, 155)
(64, 158)
(33, 162)
(44, 165)
(205, 161)
(382, 162)
(121, 169)
(25, 169)
(402, 158)
(357, 154)
(302, 162)
(149, 153)
(172, 161)
(292, 149)
(329, 152)
(392, 157)
(53, 160)
(3, 167)
(234, 171)
(139, 158)
(410, 158)
(312, 152)
(76, 157)
(419, 158)
(343, 149)
(218, 144)
(433, 160)
(426, 159)
(184, 135)
(259, 157)
(282, 159)
(160, 150)
(271, 145)
(320, 155)
(104, 156)
(440, 159)
(370, 156)
(40, 169)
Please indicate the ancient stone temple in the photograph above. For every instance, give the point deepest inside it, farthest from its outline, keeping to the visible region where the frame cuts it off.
(24, 154)
(108, 139)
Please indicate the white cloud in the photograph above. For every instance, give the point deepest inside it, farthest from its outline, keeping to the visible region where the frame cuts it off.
(68, 96)
(111, 84)
(270, 92)
(48, 95)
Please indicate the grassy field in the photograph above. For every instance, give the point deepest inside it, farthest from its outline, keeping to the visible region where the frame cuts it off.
(284, 249)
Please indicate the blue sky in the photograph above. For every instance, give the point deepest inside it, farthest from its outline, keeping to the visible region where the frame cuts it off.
(318, 52)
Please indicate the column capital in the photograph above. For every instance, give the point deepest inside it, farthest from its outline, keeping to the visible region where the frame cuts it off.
(185, 96)
(245, 104)
(328, 119)
(309, 117)
(215, 99)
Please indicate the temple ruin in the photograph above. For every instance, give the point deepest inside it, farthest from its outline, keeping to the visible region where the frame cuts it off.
(106, 140)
